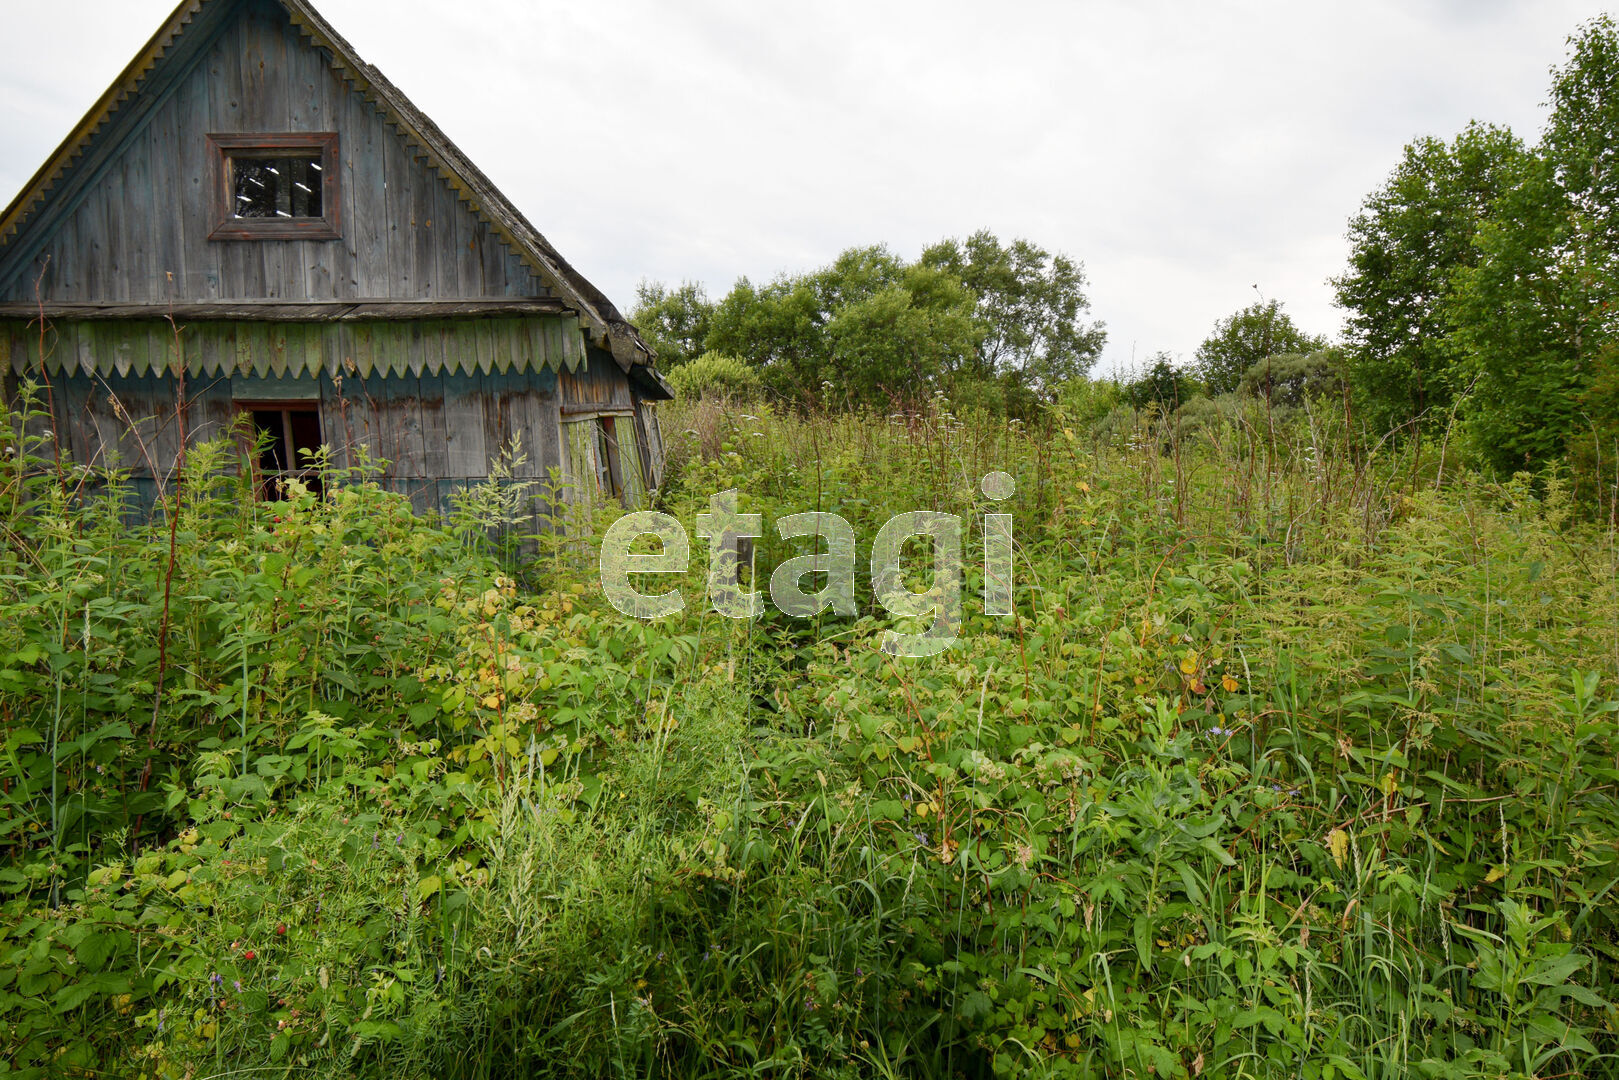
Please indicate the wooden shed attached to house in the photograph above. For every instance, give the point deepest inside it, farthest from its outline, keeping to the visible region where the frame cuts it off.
(253, 205)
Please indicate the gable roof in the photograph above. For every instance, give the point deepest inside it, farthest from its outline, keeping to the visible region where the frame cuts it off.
(122, 105)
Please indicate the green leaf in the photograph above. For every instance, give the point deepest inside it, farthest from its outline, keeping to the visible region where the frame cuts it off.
(94, 950)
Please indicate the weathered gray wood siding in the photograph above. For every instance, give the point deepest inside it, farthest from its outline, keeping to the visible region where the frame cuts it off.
(139, 231)
(433, 434)
(599, 385)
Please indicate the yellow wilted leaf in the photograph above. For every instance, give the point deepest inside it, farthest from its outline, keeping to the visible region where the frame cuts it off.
(1084, 487)
(1189, 664)
(1338, 844)
(908, 744)
(1496, 874)
(1229, 682)
(1389, 783)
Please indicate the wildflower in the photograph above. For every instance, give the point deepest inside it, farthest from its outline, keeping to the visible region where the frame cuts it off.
(237, 983)
(281, 929)
(400, 839)
(216, 978)
(249, 955)
(857, 971)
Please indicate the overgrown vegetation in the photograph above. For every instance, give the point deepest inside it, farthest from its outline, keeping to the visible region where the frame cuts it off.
(1296, 760)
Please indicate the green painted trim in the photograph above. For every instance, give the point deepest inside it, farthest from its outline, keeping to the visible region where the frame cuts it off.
(296, 350)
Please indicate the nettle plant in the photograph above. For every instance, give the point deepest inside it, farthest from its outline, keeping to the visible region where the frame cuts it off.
(727, 531)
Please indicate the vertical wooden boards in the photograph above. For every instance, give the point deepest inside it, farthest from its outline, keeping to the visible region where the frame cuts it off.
(423, 229)
(469, 233)
(580, 493)
(149, 208)
(402, 427)
(361, 141)
(598, 383)
(192, 199)
(209, 412)
(435, 442)
(341, 401)
(385, 390)
(466, 444)
(395, 213)
(629, 460)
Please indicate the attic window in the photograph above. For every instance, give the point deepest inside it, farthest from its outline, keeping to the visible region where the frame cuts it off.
(275, 187)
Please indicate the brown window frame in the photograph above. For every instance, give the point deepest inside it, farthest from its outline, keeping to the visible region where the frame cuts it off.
(227, 226)
(264, 482)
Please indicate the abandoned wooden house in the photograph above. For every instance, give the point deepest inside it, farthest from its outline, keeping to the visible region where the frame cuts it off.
(252, 206)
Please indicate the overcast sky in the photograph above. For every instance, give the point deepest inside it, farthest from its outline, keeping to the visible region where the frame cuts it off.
(1184, 152)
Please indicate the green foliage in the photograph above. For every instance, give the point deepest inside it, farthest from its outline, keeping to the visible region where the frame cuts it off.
(1032, 304)
(867, 329)
(1162, 387)
(1535, 315)
(715, 374)
(674, 321)
(1293, 380)
(1408, 242)
(1483, 278)
(1291, 762)
(997, 324)
(1242, 340)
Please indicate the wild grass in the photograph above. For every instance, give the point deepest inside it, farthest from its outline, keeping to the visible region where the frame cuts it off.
(1297, 760)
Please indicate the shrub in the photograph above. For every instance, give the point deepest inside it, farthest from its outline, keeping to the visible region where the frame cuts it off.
(715, 375)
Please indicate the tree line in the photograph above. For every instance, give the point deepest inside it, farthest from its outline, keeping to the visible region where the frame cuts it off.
(1478, 300)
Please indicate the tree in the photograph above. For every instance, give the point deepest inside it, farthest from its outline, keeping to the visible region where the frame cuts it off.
(1293, 380)
(869, 325)
(1244, 339)
(991, 324)
(675, 322)
(1162, 386)
(1407, 244)
(1535, 317)
(1032, 305)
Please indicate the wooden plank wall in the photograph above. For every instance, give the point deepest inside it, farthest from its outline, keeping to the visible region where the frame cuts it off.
(439, 433)
(128, 423)
(141, 231)
(436, 434)
(598, 384)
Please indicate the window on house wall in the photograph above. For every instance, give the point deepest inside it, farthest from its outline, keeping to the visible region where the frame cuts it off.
(276, 187)
(285, 438)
